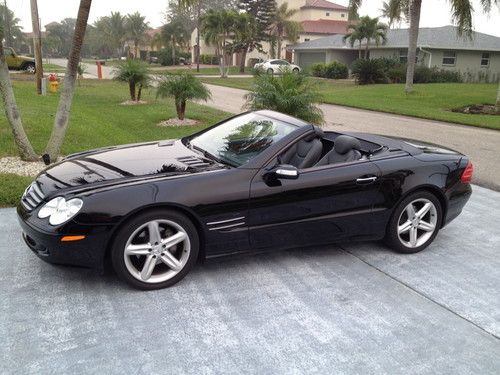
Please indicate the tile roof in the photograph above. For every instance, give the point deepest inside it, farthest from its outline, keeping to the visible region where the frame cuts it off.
(323, 4)
(429, 37)
(325, 27)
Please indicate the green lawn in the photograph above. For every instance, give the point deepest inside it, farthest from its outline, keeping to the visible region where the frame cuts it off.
(97, 119)
(432, 101)
(53, 68)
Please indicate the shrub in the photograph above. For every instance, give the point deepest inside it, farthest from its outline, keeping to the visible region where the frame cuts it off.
(333, 70)
(208, 59)
(369, 71)
(135, 73)
(289, 93)
(336, 70)
(318, 70)
(424, 74)
(397, 74)
(165, 56)
(182, 87)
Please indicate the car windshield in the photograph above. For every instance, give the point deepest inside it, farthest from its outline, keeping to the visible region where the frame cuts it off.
(240, 139)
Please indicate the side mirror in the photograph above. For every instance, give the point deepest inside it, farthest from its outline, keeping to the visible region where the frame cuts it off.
(281, 172)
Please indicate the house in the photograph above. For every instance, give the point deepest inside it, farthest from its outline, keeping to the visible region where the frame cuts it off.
(318, 18)
(440, 47)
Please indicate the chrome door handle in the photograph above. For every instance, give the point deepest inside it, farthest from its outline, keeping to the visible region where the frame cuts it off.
(366, 180)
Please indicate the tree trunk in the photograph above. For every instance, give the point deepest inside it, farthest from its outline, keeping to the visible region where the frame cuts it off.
(180, 107)
(279, 46)
(359, 50)
(243, 59)
(415, 7)
(367, 49)
(173, 50)
(497, 104)
(23, 144)
(131, 89)
(65, 101)
(136, 49)
(198, 25)
(183, 109)
(139, 92)
(37, 43)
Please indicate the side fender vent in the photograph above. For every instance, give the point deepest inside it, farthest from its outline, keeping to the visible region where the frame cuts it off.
(192, 161)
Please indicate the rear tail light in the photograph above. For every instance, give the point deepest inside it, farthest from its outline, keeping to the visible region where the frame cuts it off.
(467, 174)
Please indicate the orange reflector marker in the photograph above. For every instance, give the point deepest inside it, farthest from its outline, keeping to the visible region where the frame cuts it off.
(72, 238)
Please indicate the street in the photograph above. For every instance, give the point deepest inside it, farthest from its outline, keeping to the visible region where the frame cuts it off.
(350, 308)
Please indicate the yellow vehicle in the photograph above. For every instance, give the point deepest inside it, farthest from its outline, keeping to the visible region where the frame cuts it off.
(18, 62)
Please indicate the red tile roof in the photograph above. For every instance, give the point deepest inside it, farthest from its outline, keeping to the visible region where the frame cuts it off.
(323, 4)
(325, 27)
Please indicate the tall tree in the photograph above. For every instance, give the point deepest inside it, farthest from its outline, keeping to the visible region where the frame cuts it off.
(115, 31)
(461, 11)
(11, 111)
(354, 35)
(283, 26)
(367, 29)
(13, 32)
(136, 27)
(395, 11)
(217, 28)
(255, 30)
(65, 101)
(59, 34)
(176, 35)
(246, 36)
(37, 42)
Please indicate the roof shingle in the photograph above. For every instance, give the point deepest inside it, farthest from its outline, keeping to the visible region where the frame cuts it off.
(323, 4)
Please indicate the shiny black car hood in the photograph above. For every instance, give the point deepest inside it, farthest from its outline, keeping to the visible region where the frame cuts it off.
(123, 163)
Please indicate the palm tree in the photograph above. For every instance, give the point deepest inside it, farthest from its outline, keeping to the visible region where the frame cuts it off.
(135, 29)
(395, 11)
(461, 15)
(246, 33)
(182, 87)
(366, 29)
(65, 101)
(217, 28)
(135, 73)
(116, 31)
(288, 93)
(21, 140)
(175, 34)
(282, 26)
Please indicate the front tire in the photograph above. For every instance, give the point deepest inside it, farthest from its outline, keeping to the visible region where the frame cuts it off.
(155, 249)
(414, 223)
(30, 68)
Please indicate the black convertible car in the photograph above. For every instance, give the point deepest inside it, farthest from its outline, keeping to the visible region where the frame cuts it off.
(259, 180)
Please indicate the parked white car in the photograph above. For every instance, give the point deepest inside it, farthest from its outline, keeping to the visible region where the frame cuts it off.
(276, 66)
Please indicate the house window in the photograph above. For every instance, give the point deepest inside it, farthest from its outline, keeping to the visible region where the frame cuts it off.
(403, 56)
(449, 58)
(485, 59)
(328, 14)
(342, 15)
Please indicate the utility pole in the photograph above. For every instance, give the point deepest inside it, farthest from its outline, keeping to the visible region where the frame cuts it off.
(37, 42)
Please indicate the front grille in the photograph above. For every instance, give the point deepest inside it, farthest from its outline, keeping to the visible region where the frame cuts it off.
(192, 161)
(32, 197)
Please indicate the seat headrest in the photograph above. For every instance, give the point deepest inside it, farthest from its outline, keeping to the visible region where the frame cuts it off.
(318, 133)
(344, 143)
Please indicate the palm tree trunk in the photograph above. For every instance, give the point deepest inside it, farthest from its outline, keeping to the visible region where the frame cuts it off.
(65, 101)
(359, 50)
(279, 46)
(198, 25)
(131, 89)
(23, 144)
(367, 49)
(243, 59)
(415, 7)
(497, 104)
(173, 50)
(139, 92)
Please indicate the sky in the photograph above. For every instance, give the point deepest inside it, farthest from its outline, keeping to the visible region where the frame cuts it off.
(434, 12)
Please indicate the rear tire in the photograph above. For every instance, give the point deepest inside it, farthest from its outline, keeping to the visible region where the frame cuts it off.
(270, 71)
(155, 249)
(295, 70)
(415, 223)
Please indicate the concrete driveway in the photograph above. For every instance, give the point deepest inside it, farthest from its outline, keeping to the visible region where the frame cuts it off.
(352, 308)
(482, 145)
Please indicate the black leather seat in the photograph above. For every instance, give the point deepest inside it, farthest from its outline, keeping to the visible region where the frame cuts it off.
(306, 152)
(345, 149)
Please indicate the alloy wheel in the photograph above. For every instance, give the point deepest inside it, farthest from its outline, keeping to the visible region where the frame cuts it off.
(157, 251)
(30, 69)
(417, 223)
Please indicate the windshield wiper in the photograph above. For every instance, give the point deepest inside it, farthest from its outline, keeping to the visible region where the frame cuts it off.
(208, 155)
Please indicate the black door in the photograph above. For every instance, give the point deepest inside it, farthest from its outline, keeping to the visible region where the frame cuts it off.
(321, 206)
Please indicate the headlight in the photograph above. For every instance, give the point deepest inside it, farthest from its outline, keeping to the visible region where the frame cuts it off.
(58, 210)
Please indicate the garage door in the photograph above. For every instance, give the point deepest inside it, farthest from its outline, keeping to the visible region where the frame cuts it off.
(306, 59)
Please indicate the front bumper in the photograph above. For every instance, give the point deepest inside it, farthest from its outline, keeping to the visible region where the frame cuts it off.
(48, 246)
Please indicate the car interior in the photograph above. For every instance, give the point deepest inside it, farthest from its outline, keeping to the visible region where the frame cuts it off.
(320, 148)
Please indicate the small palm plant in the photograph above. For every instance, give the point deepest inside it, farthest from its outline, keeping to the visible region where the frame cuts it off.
(136, 74)
(289, 93)
(182, 87)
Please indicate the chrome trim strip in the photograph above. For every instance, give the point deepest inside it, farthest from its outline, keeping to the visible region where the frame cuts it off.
(26, 205)
(228, 226)
(38, 191)
(33, 204)
(226, 221)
